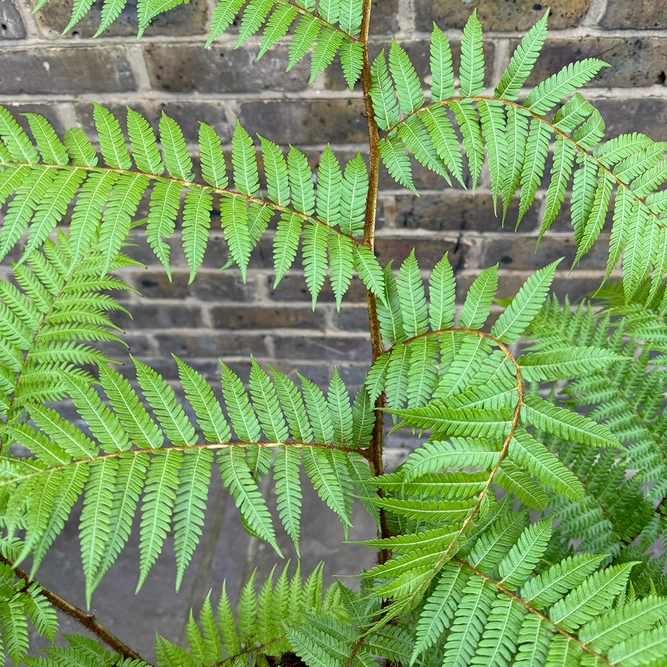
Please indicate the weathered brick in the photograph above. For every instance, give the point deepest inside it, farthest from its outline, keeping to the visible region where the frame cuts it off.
(307, 121)
(499, 15)
(351, 318)
(11, 23)
(328, 347)
(212, 344)
(186, 19)
(266, 317)
(634, 61)
(429, 251)
(638, 14)
(137, 344)
(207, 285)
(458, 212)
(159, 316)
(518, 253)
(293, 287)
(49, 70)
(188, 67)
(632, 114)
(418, 50)
(384, 17)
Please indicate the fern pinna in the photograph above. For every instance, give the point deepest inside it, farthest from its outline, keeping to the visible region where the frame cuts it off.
(528, 408)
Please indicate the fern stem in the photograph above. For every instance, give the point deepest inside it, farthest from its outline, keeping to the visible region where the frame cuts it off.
(556, 130)
(376, 446)
(88, 621)
(183, 448)
(516, 598)
(190, 185)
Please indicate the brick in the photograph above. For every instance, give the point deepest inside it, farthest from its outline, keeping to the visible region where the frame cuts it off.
(178, 68)
(212, 344)
(307, 121)
(384, 17)
(632, 114)
(518, 253)
(11, 23)
(137, 344)
(327, 347)
(428, 251)
(186, 19)
(638, 14)
(449, 212)
(418, 50)
(499, 15)
(353, 318)
(634, 61)
(159, 316)
(207, 286)
(293, 287)
(266, 317)
(50, 70)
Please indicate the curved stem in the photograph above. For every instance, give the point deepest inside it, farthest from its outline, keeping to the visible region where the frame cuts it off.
(554, 128)
(192, 184)
(10, 481)
(88, 621)
(532, 610)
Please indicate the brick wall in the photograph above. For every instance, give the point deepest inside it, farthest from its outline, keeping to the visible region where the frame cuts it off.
(218, 316)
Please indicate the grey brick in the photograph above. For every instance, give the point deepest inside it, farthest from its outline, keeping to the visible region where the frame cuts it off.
(638, 14)
(159, 316)
(212, 344)
(189, 67)
(321, 348)
(49, 70)
(500, 15)
(11, 23)
(293, 288)
(207, 286)
(633, 114)
(519, 253)
(263, 317)
(634, 61)
(306, 121)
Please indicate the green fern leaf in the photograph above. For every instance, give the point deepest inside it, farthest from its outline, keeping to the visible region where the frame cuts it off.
(522, 61)
(477, 305)
(145, 151)
(471, 75)
(213, 167)
(112, 142)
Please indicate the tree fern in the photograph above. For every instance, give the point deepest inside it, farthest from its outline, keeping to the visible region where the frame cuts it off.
(560, 408)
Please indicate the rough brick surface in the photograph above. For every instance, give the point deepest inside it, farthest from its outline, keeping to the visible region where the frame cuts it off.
(637, 14)
(11, 23)
(57, 70)
(500, 15)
